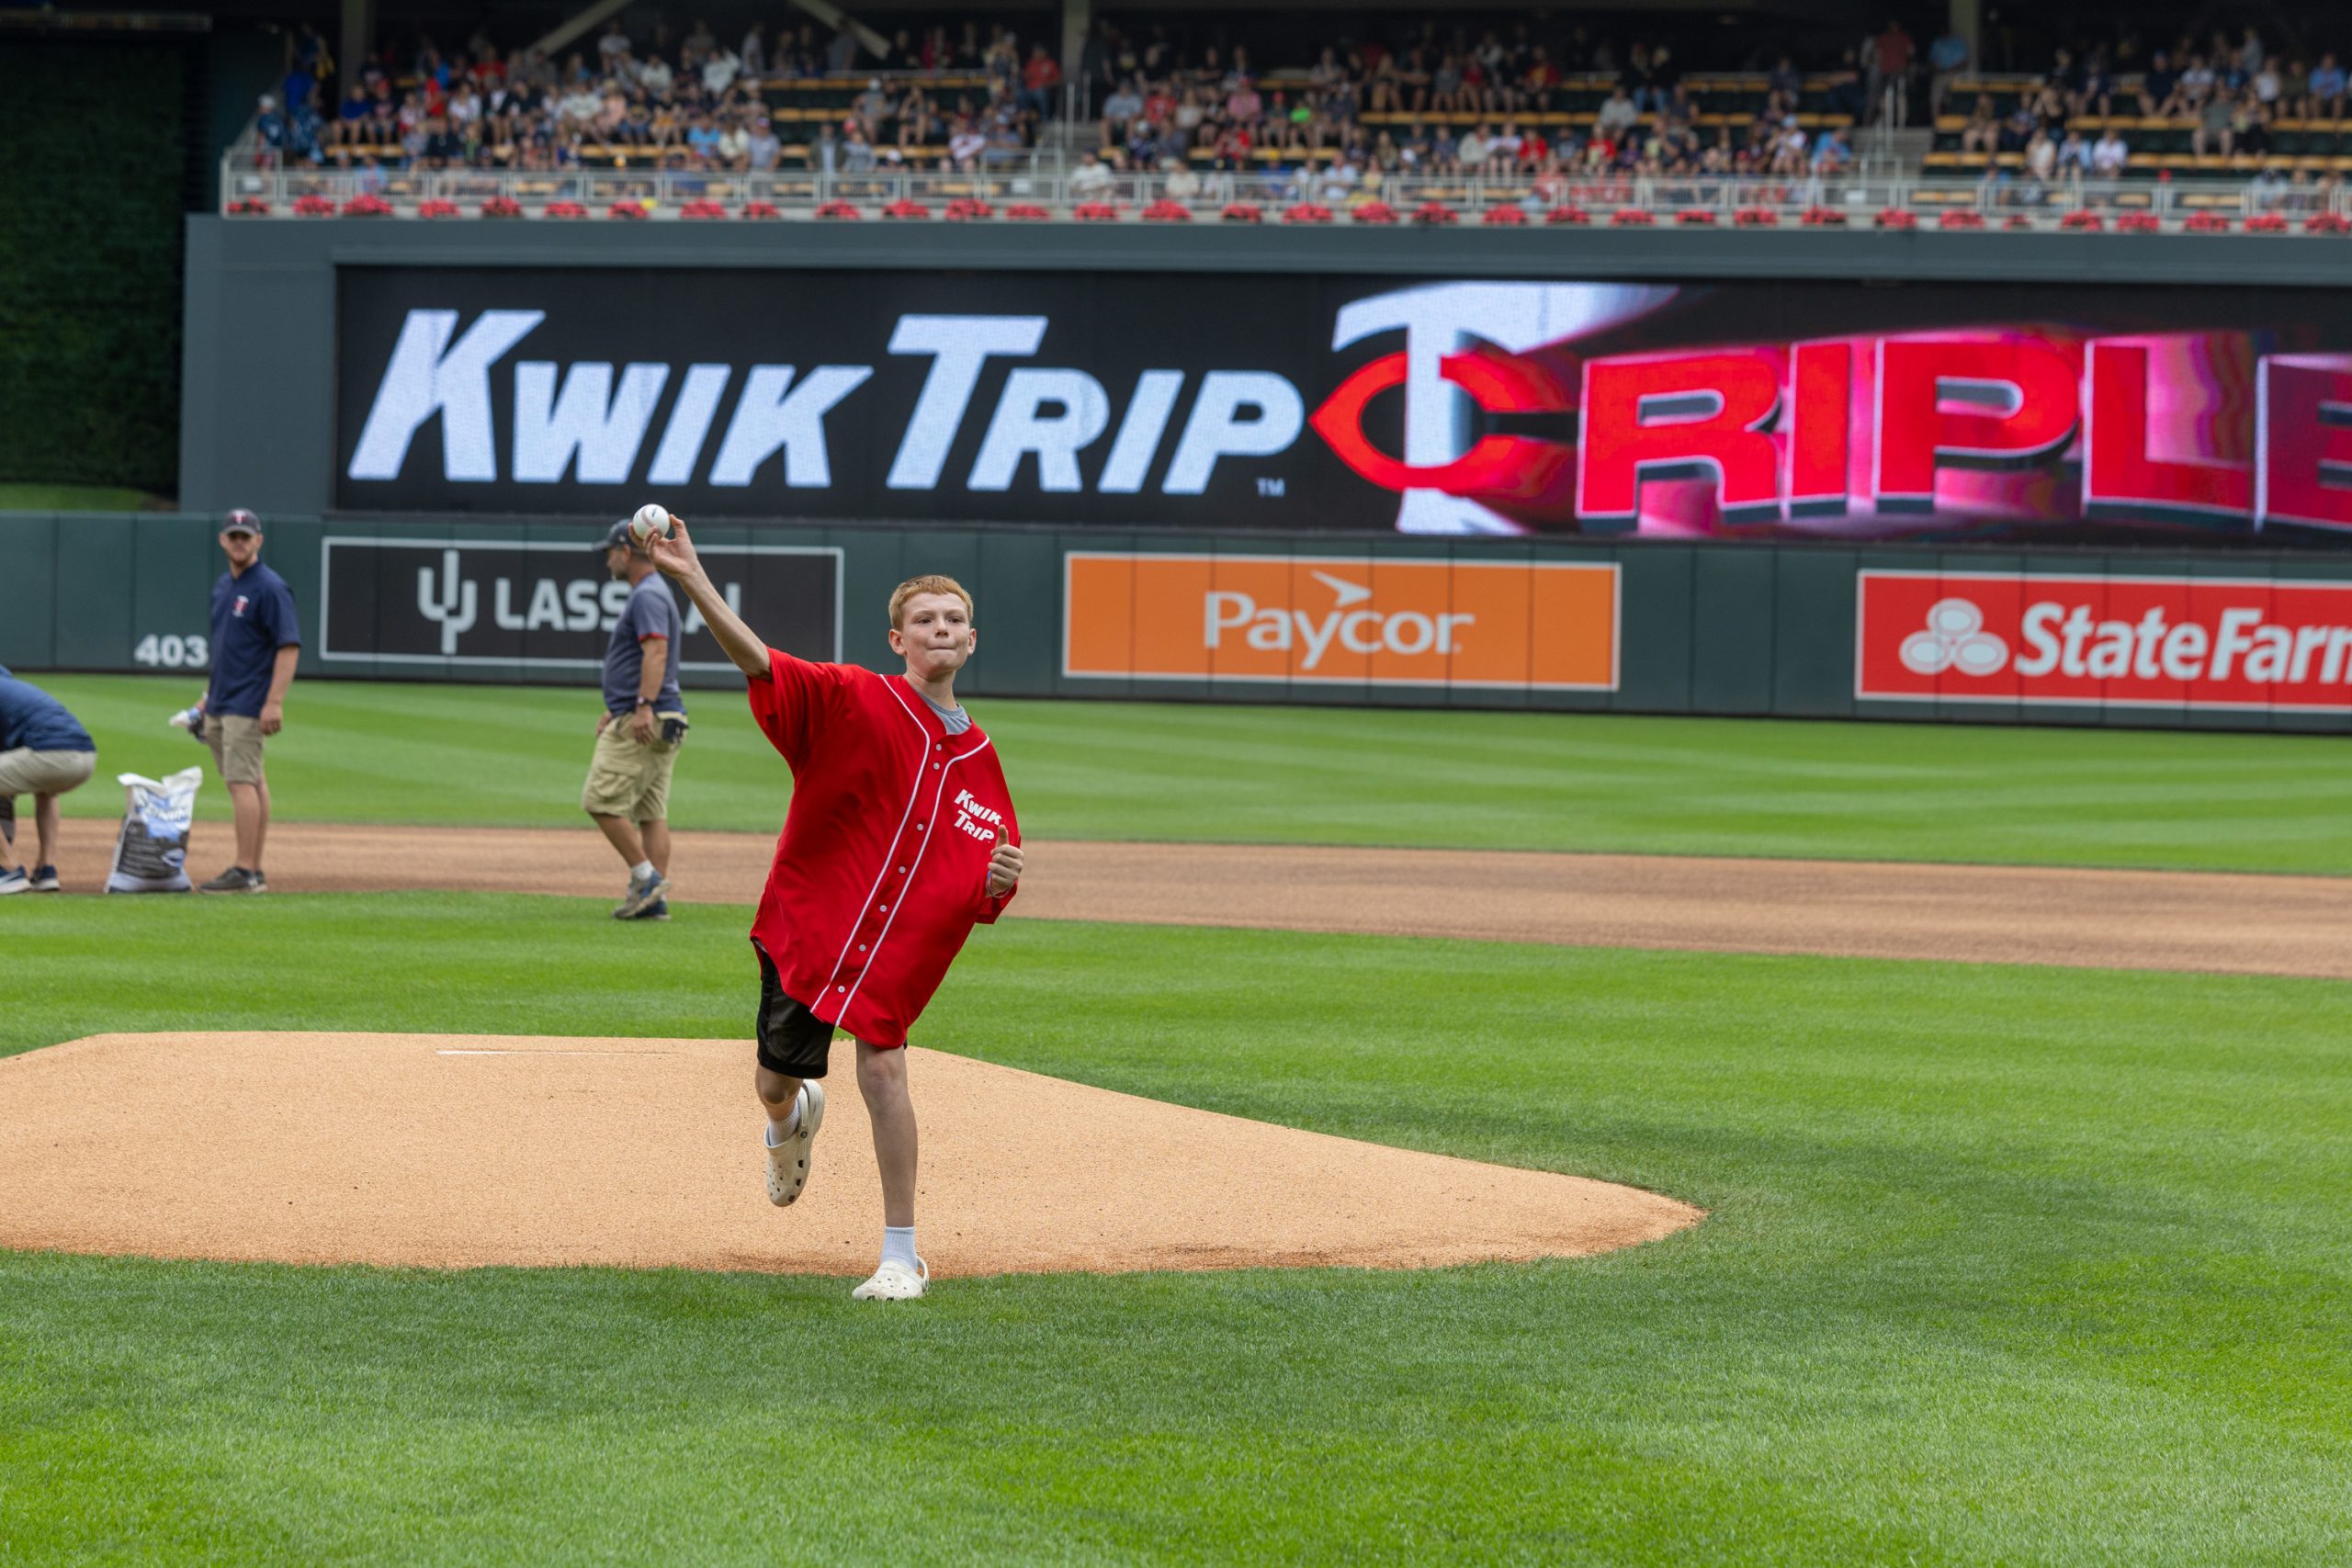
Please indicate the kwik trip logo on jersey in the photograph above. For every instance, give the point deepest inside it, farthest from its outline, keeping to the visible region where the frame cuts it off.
(2174, 642)
(1334, 620)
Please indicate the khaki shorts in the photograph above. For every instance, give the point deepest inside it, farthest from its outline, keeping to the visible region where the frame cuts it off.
(26, 772)
(626, 779)
(236, 745)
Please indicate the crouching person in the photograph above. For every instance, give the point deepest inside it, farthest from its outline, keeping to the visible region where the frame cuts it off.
(44, 752)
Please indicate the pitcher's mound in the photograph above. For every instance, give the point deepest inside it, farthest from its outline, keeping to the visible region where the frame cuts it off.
(456, 1151)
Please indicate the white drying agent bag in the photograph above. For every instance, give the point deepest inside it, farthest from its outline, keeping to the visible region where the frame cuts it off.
(151, 852)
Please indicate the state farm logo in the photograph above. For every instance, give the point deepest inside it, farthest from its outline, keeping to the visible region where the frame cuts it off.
(1310, 619)
(2092, 640)
(1955, 639)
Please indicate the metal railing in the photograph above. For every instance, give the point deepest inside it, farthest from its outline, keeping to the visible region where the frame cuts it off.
(1033, 183)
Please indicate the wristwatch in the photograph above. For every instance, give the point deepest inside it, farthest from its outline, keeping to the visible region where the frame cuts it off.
(645, 702)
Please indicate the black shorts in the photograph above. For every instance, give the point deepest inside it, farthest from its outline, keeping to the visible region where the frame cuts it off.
(792, 1040)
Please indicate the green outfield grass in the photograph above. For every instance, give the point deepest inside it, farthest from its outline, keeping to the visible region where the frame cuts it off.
(78, 498)
(517, 755)
(2005, 1265)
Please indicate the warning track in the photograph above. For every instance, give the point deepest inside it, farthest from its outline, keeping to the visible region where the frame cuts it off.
(2134, 920)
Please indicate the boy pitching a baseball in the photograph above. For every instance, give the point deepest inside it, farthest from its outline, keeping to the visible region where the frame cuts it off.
(901, 835)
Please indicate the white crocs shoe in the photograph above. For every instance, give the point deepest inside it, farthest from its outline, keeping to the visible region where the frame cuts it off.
(894, 1282)
(789, 1161)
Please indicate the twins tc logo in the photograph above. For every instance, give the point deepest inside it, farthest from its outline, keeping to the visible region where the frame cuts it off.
(1466, 359)
(1956, 639)
(238, 610)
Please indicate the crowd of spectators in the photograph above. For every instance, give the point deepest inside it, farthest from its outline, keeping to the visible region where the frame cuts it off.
(2226, 96)
(1369, 110)
(692, 102)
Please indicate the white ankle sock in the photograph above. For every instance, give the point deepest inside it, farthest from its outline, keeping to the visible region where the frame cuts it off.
(775, 1136)
(641, 870)
(899, 1244)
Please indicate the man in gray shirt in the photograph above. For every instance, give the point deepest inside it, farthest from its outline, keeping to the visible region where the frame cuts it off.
(638, 735)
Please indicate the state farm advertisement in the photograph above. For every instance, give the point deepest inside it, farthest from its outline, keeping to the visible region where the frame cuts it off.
(2100, 641)
(1341, 620)
(1446, 406)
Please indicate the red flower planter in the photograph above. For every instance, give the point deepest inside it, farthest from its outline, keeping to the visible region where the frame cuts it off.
(502, 207)
(563, 210)
(2206, 223)
(2082, 222)
(1630, 217)
(627, 211)
(2327, 223)
(437, 209)
(906, 208)
(1695, 217)
(1243, 212)
(967, 209)
(837, 209)
(2138, 223)
(1573, 215)
(761, 210)
(1823, 218)
(366, 206)
(703, 209)
(314, 206)
(1166, 212)
(1504, 217)
(1755, 218)
(1959, 218)
(1897, 218)
(1095, 213)
(251, 206)
(1306, 212)
(1026, 212)
(2267, 223)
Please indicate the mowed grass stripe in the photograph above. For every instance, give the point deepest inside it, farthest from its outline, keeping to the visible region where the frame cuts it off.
(517, 755)
(2003, 1264)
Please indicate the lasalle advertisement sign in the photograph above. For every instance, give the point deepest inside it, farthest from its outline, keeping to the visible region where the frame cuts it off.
(1288, 401)
(2100, 641)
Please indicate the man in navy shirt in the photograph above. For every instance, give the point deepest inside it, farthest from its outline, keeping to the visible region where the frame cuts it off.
(255, 640)
(637, 739)
(44, 752)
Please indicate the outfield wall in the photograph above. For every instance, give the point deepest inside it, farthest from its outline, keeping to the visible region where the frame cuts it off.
(2240, 639)
(2088, 389)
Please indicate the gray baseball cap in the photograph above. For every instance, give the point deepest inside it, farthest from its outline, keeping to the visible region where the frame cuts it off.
(240, 522)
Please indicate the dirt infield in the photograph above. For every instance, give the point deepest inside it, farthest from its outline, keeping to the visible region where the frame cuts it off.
(2259, 925)
(479, 1150)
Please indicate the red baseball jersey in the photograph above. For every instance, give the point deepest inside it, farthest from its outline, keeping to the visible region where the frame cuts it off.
(883, 865)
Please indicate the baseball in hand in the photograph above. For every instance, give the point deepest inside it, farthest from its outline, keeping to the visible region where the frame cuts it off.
(651, 520)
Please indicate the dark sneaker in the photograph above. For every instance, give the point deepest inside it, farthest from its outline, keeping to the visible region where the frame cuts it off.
(657, 910)
(16, 881)
(45, 879)
(643, 894)
(236, 879)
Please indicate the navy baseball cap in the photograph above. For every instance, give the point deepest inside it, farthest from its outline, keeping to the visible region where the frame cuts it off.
(616, 534)
(240, 522)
